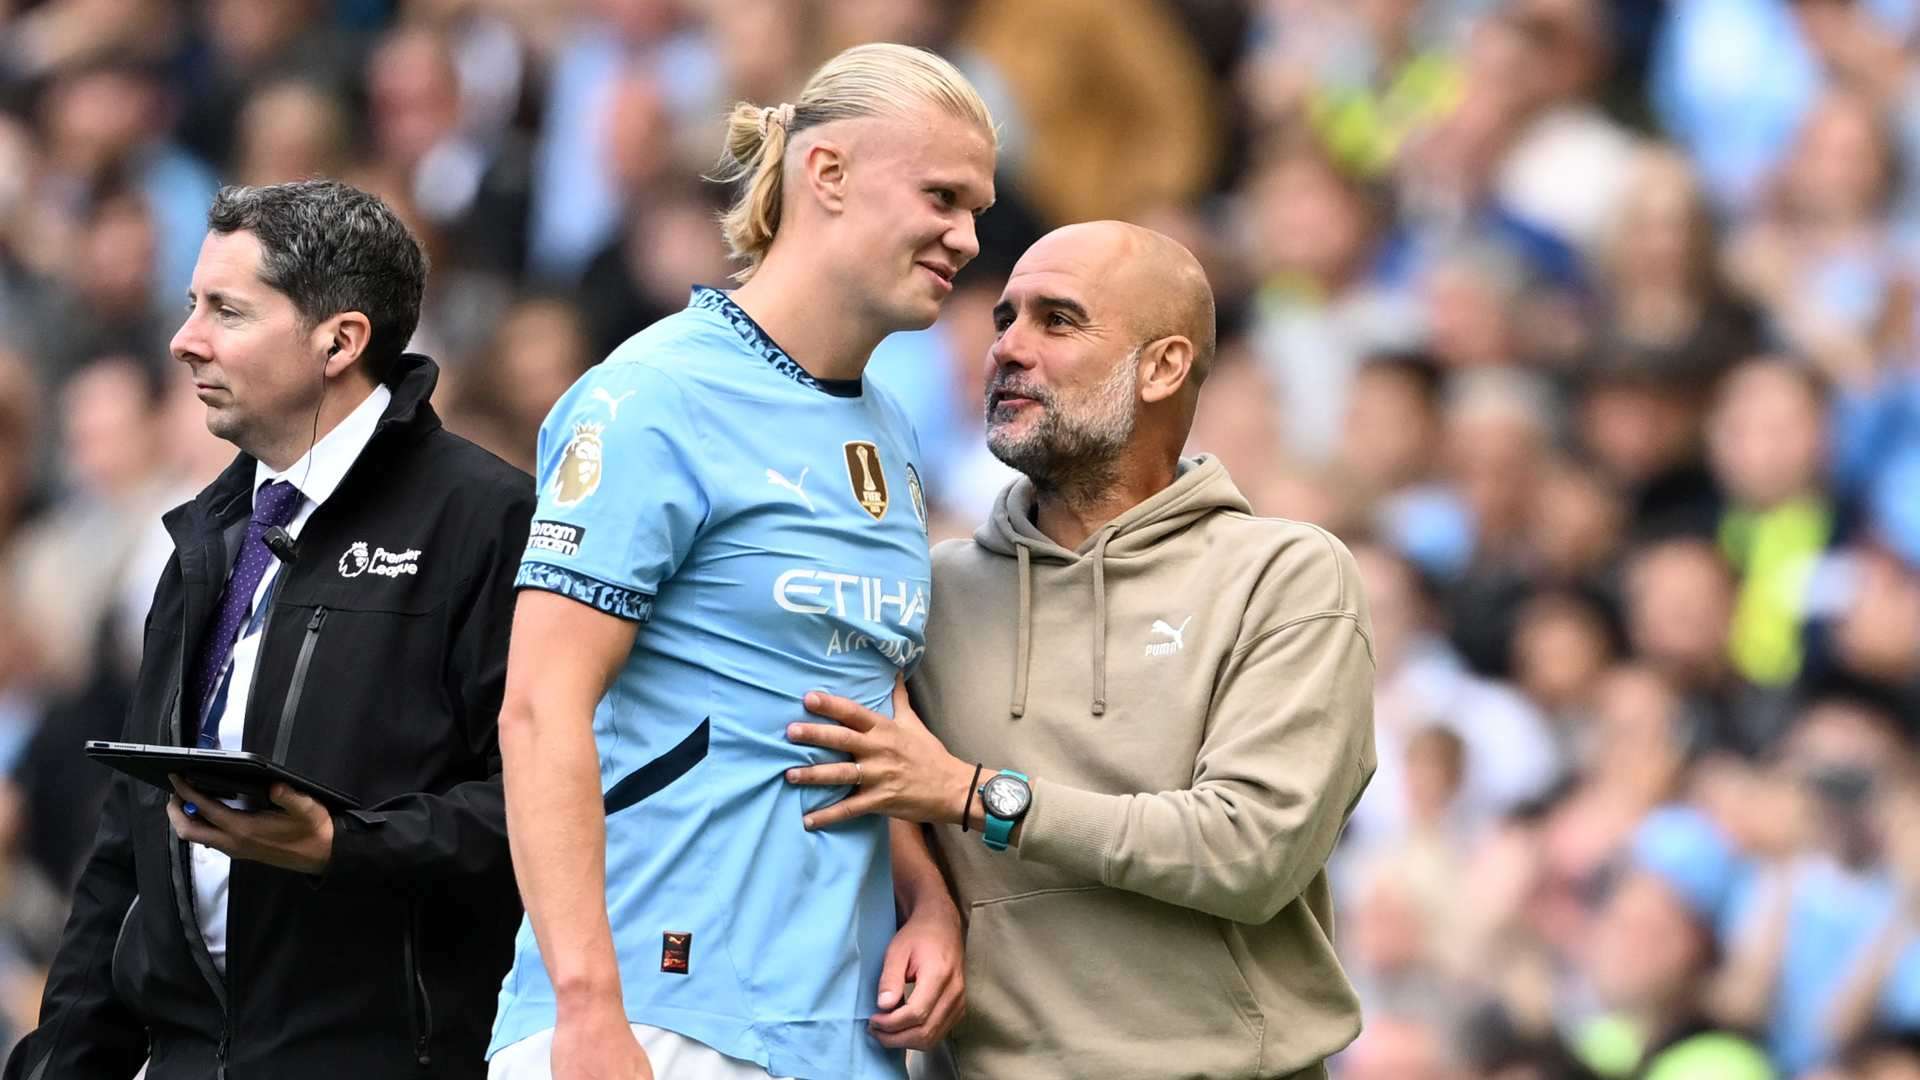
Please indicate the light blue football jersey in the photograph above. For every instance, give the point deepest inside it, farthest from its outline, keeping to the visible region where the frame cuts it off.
(769, 531)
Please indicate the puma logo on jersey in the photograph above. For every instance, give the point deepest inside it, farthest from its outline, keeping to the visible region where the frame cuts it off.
(792, 485)
(1176, 637)
(676, 953)
(613, 403)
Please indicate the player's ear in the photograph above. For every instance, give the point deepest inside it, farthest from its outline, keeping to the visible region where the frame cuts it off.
(1165, 366)
(824, 167)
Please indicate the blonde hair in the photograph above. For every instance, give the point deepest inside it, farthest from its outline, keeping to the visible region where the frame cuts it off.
(866, 80)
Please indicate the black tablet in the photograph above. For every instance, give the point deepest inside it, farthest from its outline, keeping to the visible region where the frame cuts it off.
(236, 777)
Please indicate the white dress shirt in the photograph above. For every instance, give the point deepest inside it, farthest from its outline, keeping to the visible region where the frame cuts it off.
(317, 475)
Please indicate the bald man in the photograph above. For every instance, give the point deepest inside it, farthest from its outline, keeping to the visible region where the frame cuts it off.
(1148, 713)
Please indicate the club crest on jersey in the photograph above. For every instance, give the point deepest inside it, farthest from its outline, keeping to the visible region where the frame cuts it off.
(580, 465)
(916, 495)
(868, 478)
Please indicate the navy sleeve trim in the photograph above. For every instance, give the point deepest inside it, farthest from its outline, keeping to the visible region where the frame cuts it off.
(616, 600)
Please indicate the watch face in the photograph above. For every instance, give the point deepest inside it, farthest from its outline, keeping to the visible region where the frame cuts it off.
(1006, 797)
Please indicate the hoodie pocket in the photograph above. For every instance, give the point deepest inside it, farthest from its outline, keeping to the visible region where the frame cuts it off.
(1098, 982)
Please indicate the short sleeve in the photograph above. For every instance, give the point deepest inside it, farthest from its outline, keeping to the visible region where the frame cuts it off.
(1900, 1000)
(620, 498)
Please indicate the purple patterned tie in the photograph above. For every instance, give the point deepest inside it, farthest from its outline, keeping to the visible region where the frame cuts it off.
(273, 507)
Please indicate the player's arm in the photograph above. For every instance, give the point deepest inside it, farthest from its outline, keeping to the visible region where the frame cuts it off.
(918, 885)
(929, 950)
(563, 656)
(598, 552)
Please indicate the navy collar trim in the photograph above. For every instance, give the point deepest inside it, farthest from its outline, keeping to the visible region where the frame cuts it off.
(718, 302)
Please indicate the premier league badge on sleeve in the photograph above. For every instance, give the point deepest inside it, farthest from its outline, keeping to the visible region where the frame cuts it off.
(580, 465)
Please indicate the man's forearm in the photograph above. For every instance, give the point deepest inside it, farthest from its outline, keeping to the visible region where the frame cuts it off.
(916, 877)
(557, 832)
(460, 832)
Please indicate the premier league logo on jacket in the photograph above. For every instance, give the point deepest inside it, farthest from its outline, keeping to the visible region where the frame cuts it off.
(579, 472)
(355, 560)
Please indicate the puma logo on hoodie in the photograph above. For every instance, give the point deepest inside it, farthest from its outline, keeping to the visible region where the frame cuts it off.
(1176, 637)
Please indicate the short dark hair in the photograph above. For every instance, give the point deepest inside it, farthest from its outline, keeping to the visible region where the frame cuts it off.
(331, 248)
(1427, 375)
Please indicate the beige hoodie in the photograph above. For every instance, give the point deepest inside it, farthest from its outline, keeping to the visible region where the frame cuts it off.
(1192, 695)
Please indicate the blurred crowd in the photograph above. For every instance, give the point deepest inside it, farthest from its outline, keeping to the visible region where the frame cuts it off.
(1589, 324)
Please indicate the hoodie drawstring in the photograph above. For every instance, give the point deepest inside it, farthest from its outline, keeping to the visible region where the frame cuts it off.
(1100, 622)
(1024, 646)
(1023, 635)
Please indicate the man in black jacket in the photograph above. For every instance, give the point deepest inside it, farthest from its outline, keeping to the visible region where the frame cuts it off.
(364, 646)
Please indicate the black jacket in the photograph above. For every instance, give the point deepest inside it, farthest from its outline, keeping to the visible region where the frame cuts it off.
(380, 675)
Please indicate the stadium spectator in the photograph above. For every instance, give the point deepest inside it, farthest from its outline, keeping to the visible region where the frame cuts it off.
(1653, 954)
(1567, 49)
(1802, 927)
(244, 47)
(1509, 753)
(290, 130)
(1663, 297)
(104, 121)
(1150, 134)
(1767, 440)
(1313, 239)
(425, 145)
(109, 302)
(539, 351)
(1819, 257)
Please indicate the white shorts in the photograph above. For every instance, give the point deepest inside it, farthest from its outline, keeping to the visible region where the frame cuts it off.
(673, 1055)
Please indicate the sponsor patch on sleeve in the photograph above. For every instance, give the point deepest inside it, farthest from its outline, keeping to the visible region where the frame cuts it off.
(557, 537)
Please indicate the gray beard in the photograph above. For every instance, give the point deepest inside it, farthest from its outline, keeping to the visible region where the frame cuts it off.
(1070, 453)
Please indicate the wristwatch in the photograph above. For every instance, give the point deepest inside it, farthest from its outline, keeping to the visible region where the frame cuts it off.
(1005, 798)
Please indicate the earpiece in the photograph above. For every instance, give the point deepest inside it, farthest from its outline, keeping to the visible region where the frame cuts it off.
(331, 352)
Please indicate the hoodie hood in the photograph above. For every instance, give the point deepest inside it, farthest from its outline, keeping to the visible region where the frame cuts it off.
(1200, 487)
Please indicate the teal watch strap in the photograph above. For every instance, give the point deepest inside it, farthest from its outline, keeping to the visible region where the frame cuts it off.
(999, 830)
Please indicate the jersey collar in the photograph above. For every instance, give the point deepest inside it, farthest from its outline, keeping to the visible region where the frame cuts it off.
(718, 302)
